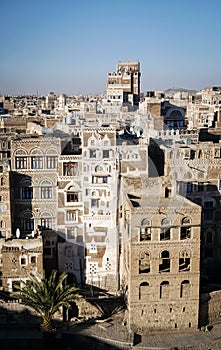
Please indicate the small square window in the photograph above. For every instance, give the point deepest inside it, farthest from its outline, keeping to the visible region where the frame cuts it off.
(23, 261)
(33, 259)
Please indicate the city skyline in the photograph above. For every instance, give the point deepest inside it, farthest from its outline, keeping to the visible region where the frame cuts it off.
(71, 46)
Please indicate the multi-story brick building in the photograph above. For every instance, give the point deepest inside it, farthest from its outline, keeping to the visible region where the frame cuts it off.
(20, 258)
(161, 256)
(196, 170)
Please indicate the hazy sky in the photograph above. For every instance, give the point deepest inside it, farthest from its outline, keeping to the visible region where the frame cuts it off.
(70, 46)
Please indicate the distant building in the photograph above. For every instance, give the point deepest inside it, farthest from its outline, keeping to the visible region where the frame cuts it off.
(123, 86)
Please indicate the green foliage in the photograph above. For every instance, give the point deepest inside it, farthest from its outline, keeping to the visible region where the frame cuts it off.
(46, 296)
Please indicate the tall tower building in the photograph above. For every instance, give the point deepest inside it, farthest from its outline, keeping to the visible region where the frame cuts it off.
(123, 86)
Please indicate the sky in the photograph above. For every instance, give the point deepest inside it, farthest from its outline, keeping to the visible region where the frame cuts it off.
(69, 46)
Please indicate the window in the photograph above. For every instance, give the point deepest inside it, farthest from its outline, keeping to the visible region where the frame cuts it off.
(168, 192)
(27, 192)
(145, 234)
(94, 203)
(2, 208)
(217, 153)
(165, 261)
(145, 230)
(72, 196)
(208, 210)
(71, 215)
(185, 289)
(92, 142)
(144, 290)
(164, 233)
(184, 261)
(23, 261)
(92, 153)
(33, 260)
(164, 290)
(185, 230)
(190, 187)
(165, 230)
(36, 162)
(52, 162)
(46, 224)
(71, 232)
(200, 187)
(68, 251)
(144, 262)
(46, 192)
(15, 285)
(21, 162)
(99, 168)
(28, 224)
(106, 153)
(192, 154)
(186, 221)
(70, 169)
(99, 179)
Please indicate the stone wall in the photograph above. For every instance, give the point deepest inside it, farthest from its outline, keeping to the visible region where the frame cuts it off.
(210, 308)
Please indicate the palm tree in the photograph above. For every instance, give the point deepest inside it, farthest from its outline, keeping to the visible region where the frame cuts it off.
(47, 297)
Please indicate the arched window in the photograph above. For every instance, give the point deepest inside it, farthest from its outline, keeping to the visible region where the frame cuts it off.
(72, 195)
(26, 189)
(46, 189)
(184, 260)
(36, 158)
(28, 222)
(185, 230)
(186, 221)
(164, 290)
(46, 220)
(100, 168)
(146, 222)
(208, 235)
(165, 261)
(145, 230)
(92, 141)
(185, 289)
(144, 262)
(106, 141)
(144, 291)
